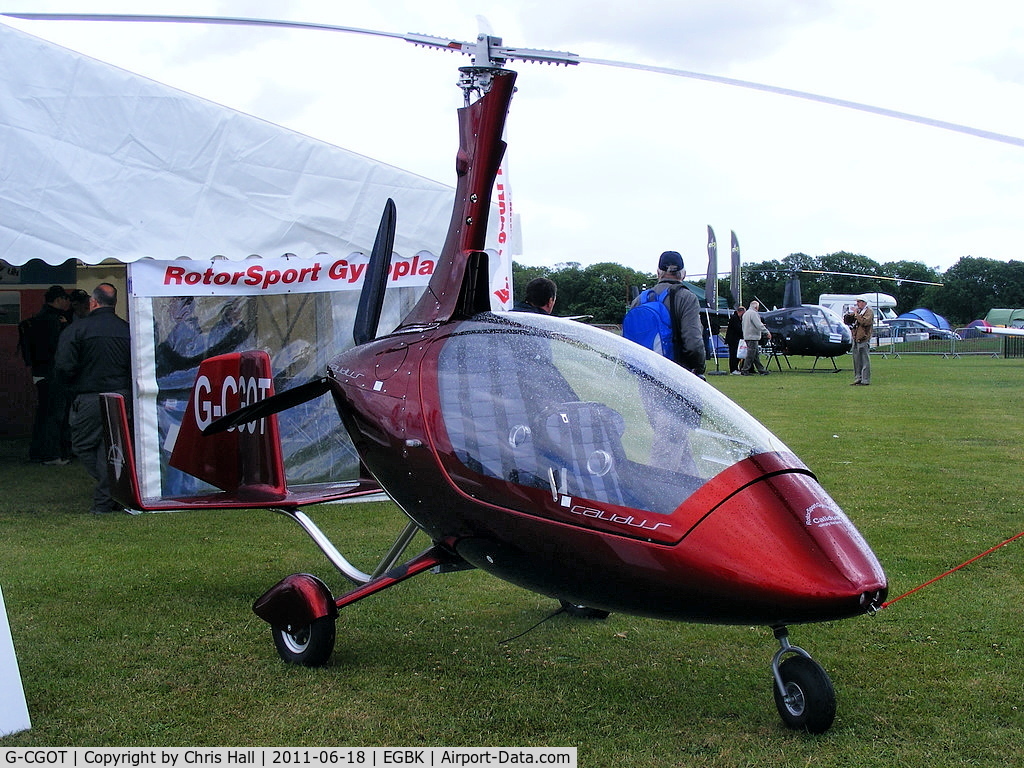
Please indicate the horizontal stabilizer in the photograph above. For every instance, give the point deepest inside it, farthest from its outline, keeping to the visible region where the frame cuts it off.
(273, 404)
(125, 488)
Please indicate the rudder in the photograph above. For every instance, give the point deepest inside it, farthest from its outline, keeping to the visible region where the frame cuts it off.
(245, 460)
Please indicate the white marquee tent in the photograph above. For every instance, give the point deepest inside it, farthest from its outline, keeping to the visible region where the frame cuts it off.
(97, 163)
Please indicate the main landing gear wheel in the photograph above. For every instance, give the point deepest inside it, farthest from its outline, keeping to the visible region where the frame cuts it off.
(309, 646)
(583, 611)
(803, 691)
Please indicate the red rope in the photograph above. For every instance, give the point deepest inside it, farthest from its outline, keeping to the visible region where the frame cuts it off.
(952, 570)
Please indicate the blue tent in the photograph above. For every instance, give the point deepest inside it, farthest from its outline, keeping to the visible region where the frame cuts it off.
(927, 316)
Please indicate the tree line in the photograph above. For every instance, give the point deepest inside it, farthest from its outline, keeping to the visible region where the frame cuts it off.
(968, 290)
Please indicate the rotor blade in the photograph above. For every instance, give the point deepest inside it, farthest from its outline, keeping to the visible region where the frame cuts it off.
(198, 20)
(490, 50)
(371, 298)
(873, 277)
(486, 49)
(271, 405)
(956, 127)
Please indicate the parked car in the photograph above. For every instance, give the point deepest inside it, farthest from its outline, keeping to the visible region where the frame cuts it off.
(900, 327)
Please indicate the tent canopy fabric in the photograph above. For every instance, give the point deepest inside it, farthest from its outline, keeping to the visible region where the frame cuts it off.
(100, 163)
(1009, 318)
(927, 316)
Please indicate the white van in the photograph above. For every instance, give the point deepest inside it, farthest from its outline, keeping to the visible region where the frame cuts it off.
(882, 304)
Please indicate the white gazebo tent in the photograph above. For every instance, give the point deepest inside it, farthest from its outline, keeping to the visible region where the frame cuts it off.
(100, 165)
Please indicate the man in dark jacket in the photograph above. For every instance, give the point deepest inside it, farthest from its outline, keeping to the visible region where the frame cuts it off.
(94, 356)
(539, 297)
(733, 336)
(44, 332)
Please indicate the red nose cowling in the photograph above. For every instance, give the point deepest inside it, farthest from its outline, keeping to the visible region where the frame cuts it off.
(761, 543)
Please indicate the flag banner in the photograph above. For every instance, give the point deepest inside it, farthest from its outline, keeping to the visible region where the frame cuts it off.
(711, 285)
(735, 279)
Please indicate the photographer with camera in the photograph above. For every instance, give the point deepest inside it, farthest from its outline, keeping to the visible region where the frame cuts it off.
(861, 321)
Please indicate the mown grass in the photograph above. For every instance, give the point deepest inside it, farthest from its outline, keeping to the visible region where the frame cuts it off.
(138, 630)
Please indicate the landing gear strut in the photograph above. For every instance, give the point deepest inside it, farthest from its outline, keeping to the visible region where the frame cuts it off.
(804, 694)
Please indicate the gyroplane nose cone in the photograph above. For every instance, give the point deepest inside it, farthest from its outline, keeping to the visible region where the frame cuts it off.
(783, 542)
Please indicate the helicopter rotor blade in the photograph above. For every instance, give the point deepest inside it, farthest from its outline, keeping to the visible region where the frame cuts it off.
(873, 277)
(488, 50)
(271, 405)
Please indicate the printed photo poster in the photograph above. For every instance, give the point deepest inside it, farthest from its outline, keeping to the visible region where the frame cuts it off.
(300, 311)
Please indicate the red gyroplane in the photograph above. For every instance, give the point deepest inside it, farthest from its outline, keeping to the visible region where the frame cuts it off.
(553, 455)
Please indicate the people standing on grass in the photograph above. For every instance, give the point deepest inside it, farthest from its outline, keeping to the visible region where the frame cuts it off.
(733, 336)
(94, 356)
(43, 333)
(753, 331)
(684, 309)
(861, 321)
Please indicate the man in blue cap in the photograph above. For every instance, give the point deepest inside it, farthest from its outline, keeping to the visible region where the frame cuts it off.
(688, 341)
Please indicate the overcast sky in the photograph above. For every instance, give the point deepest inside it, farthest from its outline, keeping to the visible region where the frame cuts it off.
(617, 165)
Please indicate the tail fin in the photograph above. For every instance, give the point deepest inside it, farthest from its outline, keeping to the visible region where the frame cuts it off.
(245, 460)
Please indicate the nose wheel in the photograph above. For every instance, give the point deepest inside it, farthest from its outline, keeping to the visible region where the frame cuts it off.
(308, 646)
(804, 694)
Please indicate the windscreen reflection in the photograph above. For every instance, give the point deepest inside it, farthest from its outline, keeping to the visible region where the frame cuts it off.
(553, 404)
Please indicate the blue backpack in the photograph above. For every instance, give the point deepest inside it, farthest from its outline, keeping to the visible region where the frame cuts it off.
(649, 323)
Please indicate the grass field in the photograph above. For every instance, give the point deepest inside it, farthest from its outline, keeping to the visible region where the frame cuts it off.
(139, 631)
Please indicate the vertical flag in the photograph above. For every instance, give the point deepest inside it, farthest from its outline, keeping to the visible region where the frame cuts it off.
(711, 284)
(735, 279)
(501, 269)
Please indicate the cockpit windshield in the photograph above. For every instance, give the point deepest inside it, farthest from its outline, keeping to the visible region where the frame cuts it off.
(830, 322)
(547, 403)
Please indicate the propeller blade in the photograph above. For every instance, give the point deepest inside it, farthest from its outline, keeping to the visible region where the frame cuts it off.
(371, 298)
(271, 405)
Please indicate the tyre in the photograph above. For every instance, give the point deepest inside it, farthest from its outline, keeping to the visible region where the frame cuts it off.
(809, 703)
(309, 646)
(583, 611)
